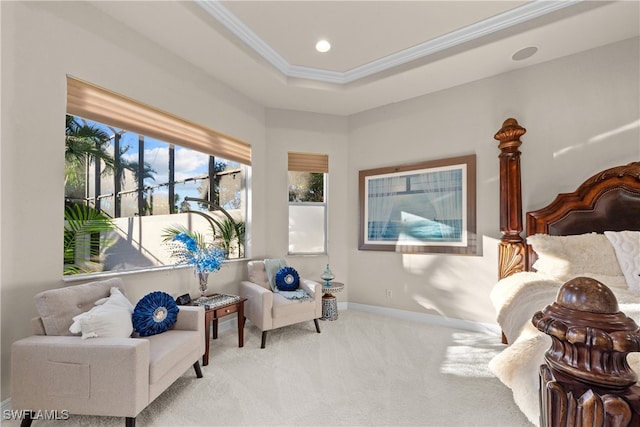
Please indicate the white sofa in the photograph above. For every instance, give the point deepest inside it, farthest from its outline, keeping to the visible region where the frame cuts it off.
(55, 370)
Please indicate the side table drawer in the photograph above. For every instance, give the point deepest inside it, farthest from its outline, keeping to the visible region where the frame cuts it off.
(223, 311)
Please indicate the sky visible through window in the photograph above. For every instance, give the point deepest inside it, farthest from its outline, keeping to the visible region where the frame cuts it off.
(188, 164)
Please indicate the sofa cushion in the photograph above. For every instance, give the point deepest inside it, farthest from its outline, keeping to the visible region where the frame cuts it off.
(110, 318)
(271, 267)
(168, 349)
(155, 313)
(58, 307)
(258, 274)
(287, 279)
(283, 307)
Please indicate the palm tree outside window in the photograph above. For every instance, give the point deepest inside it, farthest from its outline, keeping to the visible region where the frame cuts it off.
(120, 178)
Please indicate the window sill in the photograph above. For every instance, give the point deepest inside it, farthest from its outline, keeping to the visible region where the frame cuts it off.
(108, 274)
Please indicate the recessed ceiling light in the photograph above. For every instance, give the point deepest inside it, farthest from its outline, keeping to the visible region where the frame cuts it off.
(323, 46)
(525, 53)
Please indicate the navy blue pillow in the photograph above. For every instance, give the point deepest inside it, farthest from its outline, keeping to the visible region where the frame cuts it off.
(154, 313)
(287, 279)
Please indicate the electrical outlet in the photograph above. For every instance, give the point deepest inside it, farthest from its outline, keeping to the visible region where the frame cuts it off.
(389, 295)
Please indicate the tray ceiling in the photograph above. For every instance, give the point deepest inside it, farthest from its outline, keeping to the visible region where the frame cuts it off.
(382, 51)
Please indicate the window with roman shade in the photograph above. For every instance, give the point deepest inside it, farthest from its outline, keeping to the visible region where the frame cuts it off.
(308, 202)
(146, 171)
(308, 162)
(101, 105)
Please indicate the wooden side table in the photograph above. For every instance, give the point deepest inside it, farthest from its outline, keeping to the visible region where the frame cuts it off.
(220, 307)
(329, 302)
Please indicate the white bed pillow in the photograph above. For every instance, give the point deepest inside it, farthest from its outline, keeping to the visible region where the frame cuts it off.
(110, 318)
(627, 248)
(565, 257)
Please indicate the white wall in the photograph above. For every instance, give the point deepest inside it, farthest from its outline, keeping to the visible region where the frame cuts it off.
(582, 115)
(568, 106)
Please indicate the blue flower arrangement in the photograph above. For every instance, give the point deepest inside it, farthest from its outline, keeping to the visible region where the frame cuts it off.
(203, 260)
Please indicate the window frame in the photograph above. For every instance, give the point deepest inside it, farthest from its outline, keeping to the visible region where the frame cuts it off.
(325, 221)
(309, 163)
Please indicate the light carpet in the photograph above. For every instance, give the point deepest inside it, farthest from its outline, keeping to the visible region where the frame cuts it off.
(362, 370)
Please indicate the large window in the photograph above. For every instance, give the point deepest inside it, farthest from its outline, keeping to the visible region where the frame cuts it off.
(127, 193)
(308, 203)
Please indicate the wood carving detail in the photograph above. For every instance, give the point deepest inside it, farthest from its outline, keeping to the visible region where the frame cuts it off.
(509, 135)
(562, 406)
(631, 170)
(512, 247)
(586, 380)
(512, 258)
(510, 185)
(598, 195)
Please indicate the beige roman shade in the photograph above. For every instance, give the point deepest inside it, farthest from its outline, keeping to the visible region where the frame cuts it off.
(308, 162)
(94, 103)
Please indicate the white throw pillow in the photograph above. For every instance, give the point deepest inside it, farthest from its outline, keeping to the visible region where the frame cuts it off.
(627, 248)
(565, 257)
(110, 318)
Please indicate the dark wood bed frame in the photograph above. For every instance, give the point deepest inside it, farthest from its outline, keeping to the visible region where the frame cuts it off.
(585, 380)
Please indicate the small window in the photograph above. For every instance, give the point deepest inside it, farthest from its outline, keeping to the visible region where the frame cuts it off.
(307, 203)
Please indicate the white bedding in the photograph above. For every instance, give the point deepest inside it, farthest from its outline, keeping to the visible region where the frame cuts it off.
(516, 299)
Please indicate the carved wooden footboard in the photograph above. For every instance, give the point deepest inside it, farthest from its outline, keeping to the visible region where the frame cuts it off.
(585, 380)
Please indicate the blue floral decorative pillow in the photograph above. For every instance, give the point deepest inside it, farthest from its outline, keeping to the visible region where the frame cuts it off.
(287, 279)
(155, 313)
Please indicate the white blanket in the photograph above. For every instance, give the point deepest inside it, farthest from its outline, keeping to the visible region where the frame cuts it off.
(516, 299)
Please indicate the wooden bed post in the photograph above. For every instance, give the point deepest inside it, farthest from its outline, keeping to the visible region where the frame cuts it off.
(512, 250)
(586, 380)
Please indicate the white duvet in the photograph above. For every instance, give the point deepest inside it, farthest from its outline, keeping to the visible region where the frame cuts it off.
(516, 299)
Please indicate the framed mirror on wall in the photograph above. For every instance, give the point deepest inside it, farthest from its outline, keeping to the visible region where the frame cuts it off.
(426, 207)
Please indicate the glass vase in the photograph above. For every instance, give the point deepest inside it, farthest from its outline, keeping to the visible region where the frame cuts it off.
(203, 281)
(327, 276)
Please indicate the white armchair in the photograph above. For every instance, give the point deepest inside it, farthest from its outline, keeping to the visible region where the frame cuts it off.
(269, 310)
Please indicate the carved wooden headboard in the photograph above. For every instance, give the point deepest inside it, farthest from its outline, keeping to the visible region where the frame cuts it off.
(609, 200)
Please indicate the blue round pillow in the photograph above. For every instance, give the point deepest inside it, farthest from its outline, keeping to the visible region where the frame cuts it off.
(154, 313)
(287, 279)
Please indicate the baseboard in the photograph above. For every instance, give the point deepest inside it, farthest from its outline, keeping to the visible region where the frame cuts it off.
(466, 325)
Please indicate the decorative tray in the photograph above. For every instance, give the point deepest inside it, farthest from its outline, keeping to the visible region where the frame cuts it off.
(216, 301)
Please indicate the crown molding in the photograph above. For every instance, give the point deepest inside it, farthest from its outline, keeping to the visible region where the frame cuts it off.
(244, 33)
(480, 29)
